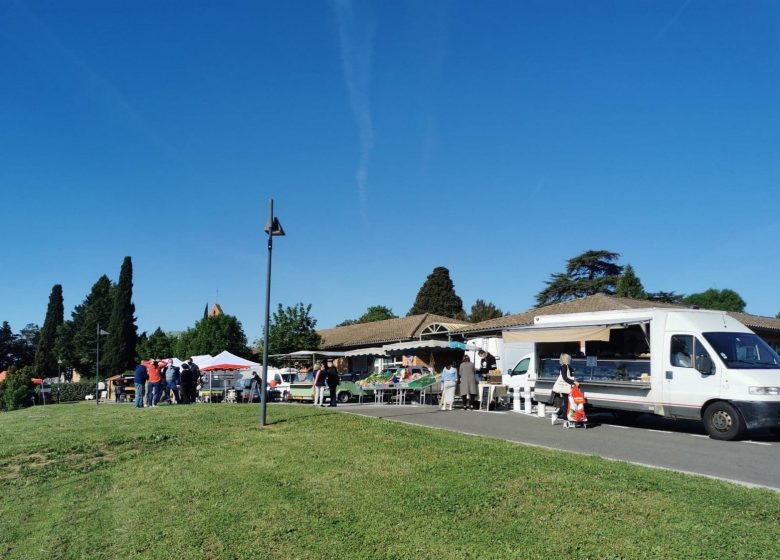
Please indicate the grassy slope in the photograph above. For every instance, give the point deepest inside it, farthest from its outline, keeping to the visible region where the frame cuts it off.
(80, 481)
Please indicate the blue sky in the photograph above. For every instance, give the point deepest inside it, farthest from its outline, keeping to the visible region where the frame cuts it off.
(497, 139)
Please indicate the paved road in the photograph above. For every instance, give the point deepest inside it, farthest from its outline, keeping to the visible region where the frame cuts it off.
(651, 441)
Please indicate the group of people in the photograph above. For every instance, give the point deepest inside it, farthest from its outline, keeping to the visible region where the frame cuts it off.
(163, 381)
(464, 380)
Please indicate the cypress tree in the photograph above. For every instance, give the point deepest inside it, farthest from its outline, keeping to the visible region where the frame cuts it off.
(437, 295)
(628, 285)
(45, 355)
(122, 331)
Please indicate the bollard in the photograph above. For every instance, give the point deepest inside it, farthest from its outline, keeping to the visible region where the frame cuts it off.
(540, 412)
(516, 399)
(527, 397)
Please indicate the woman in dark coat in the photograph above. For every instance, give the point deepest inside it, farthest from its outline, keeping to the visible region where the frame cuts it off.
(467, 383)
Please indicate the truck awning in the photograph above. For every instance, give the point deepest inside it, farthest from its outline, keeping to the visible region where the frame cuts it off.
(567, 333)
(557, 334)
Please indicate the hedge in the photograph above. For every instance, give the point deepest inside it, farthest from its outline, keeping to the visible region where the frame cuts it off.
(68, 392)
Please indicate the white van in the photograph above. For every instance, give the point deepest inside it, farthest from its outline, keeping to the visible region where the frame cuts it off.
(678, 363)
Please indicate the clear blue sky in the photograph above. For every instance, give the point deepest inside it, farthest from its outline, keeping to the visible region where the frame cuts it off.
(497, 139)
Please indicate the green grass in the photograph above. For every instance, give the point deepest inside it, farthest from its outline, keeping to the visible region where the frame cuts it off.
(81, 481)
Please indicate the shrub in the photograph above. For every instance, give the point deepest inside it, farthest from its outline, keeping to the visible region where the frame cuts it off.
(69, 392)
(17, 389)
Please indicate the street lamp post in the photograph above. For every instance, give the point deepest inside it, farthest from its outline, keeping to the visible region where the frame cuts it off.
(97, 364)
(272, 228)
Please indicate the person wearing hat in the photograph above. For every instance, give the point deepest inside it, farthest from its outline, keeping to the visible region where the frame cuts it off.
(332, 377)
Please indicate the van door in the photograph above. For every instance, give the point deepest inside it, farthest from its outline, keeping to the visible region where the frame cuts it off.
(685, 389)
(516, 376)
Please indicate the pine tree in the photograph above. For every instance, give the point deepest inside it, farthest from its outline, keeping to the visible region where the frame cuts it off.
(122, 332)
(437, 295)
(629, 285)
(45, 354)
(76, 338)
(592, 272)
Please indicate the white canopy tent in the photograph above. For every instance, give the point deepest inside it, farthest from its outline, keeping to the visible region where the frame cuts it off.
(226, 361)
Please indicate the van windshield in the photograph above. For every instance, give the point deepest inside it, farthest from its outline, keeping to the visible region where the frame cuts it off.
(743, 350)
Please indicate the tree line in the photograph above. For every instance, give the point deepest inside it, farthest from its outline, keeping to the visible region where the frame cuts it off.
(71, 343)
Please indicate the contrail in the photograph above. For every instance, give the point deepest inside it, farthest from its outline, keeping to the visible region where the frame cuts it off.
(356, 39)
(673, 20)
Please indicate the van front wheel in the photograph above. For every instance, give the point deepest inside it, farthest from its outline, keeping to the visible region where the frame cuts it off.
(722, 421)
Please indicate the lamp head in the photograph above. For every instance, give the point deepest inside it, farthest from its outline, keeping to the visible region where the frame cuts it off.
(275, 228)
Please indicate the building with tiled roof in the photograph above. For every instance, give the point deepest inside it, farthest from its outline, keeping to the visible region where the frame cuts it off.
(378, 333)
(404, 329)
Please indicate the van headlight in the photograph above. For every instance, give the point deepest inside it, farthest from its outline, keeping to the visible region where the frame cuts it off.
(764, 390)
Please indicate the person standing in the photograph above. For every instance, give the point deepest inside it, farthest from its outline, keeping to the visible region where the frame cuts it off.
(487, 363)
(319, 385)
(153, 394)
(467, 384)
(139, 379)
(187, 383)
(449, 379)
(562, 387)
(332, 378)
(172, 381)
(195, 372)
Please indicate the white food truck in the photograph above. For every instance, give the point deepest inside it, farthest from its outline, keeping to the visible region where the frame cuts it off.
(678, 363)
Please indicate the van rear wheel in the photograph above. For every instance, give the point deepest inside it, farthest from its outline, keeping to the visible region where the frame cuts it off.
(722, 421)
(343, 397)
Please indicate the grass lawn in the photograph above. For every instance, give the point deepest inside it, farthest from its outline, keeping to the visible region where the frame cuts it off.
(85, 481)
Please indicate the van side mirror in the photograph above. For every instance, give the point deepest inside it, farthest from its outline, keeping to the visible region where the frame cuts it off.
(703, 365)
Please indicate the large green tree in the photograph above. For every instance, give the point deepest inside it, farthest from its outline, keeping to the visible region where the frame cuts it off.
(665, 297)
(7, 346)
(373, 313)
(122, 331)
(17, 349)
(45, 354)
(26, 343)
(212, 335)
(592, 272)
(723, 300)
(484, 311)
(437, 295)
(629, 285)
(292, 328)
(76, 338)
(158, 345)
(377, 313)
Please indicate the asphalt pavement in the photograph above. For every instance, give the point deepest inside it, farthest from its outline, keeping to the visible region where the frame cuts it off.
(649, 440)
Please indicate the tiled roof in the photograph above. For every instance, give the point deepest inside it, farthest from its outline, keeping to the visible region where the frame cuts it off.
(380, 332)
(599, 302)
